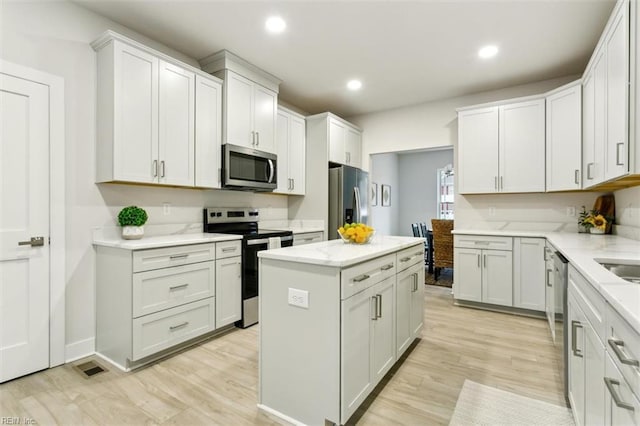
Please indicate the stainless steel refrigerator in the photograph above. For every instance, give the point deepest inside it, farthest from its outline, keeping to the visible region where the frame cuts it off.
(348, 197)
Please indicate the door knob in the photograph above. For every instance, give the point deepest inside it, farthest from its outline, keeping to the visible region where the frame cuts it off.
(33, 242)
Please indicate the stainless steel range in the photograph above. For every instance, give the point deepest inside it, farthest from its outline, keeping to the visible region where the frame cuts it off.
(244, 221)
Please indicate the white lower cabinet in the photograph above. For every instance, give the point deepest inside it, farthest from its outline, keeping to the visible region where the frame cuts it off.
(621, 406)
(368, 342)
(409, 306)
(151, 300)
(228, 290)
(483, 274)
(586, 352)
(529, 273)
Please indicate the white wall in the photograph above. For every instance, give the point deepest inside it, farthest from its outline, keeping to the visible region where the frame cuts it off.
(384, 171)
(54, 37)
(418, 187)
(628, 212)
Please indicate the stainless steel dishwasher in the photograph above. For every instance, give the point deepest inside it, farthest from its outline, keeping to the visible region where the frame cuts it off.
(560, 282)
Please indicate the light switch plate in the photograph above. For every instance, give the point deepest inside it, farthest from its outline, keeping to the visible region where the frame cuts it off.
(299, 298)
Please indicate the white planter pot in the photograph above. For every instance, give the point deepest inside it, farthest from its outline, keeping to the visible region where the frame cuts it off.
(596, 231)
(132, 232)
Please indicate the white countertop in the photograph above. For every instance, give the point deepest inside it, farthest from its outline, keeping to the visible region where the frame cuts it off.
(164, 240)
(583, 252)
(336, 253)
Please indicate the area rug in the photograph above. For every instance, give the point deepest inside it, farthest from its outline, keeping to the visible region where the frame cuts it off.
(483, 405)
(445, 279)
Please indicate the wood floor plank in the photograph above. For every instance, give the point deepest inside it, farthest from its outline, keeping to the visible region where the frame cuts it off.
(216, 382)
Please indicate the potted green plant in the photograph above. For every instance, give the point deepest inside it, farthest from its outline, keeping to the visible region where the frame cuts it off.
(132, 219)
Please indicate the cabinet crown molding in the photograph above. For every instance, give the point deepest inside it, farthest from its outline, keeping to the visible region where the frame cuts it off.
(502, 102)
(225, 59)
(327, 114)
(110, 35)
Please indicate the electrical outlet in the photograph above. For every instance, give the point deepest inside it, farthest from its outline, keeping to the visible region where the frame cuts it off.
(492, 211)
(166, 209)
(299, 298)
(571, 211)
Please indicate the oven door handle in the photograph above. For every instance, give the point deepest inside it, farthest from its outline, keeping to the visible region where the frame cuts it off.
(266, 240)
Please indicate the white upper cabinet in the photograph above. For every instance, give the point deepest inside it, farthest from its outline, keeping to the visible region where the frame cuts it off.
(353, 147)
(501, 148)
(522, 150)
(250, 101)
(605, 105)
(337, 135)
(250, 114)
(564, 138)
(478, 150)
(177, 125)
(127, 137)
(617, 69)
(345, 143)
(208, 132)
(146, 115)
(290, 141)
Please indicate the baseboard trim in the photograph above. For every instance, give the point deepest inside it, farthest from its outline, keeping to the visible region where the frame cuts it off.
(280, 415)
(80, 349)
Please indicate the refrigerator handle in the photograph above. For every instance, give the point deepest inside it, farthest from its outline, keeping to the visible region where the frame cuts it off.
(356, 200)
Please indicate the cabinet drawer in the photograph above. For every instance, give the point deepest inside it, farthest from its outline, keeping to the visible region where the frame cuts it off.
(228, 249)
(147, 260)
(307, 238)
(590, 301)
(159, 331)
(161, 289)
(409, 257)
(623, 343)
(364, 275)
(624, 407)
(483, 242)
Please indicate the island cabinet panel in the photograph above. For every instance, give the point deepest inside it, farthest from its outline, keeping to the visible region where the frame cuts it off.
(328, 331)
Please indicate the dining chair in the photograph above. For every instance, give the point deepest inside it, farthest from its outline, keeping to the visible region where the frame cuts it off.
(428, 246)
(442, 245)
(416, 230)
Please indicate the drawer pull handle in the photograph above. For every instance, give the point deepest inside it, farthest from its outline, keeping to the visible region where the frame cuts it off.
(228, 249)
(176, 287)
(175, 327)
(374, 316)
(308, 239)
(361, 278)
(616, 398)
(615, 345)
(405, 259)
(379, 305)
(178, 256)
(386, 267)
(574, 334)
(482, 242)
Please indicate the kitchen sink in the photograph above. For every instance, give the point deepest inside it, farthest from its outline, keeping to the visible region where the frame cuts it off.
(627, 272)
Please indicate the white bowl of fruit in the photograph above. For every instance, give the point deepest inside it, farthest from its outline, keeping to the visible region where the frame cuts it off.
(356, 233)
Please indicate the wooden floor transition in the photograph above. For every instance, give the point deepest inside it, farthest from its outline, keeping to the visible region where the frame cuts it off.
(216, 382)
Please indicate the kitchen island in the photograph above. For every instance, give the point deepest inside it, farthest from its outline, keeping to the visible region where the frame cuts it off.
(334, 318)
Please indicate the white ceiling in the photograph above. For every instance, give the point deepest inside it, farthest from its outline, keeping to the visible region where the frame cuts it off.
(405, 52)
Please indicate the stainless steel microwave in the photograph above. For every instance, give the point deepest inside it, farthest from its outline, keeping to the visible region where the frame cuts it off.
(248, 169)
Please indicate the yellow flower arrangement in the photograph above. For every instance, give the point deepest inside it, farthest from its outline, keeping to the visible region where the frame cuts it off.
(598, 221)
(594, 219)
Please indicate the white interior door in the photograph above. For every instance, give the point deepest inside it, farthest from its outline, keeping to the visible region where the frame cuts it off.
(24, 214)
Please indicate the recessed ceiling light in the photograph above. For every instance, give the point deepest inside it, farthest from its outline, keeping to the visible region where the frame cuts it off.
(354, 85)
(488, 52)
(275, 24)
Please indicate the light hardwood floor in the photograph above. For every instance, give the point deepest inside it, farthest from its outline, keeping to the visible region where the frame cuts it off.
(216, 382)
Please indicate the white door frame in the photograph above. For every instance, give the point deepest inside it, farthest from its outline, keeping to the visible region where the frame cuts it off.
(56, 201)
